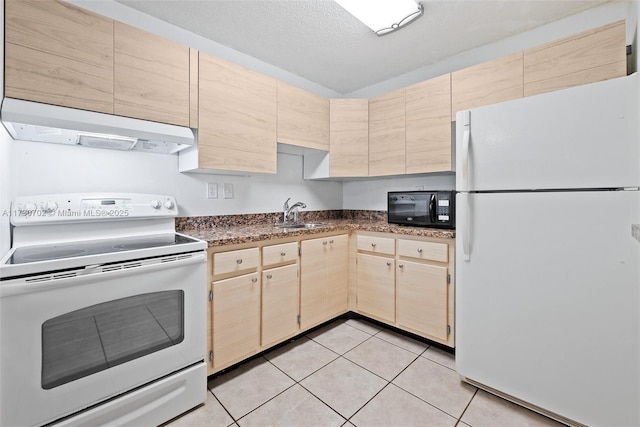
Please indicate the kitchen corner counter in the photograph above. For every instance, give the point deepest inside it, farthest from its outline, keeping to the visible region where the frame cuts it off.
(220, 235)
(635, 231)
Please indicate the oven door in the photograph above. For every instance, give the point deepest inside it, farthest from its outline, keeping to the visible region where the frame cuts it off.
(73, 339)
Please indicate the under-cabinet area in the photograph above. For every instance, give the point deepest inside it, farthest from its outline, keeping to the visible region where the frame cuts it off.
(265, 292)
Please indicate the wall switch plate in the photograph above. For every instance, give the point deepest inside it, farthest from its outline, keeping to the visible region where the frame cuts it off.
(228, 190)
(212, 190)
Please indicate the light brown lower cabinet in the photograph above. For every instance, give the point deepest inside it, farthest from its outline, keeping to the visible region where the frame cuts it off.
(408, 283)
(280, 303)
(264, 293)
(422, 294)
(376, 287)
(236, 319)
(324, 279)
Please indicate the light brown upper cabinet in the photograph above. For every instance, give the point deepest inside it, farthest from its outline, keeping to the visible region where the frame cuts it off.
(587, 57)
(57, 53)
(151, 76)
(493, 81)
(387, 134)
(428, 126)
(237, 117)
(349, 137)
(194, 66)
(303, 117)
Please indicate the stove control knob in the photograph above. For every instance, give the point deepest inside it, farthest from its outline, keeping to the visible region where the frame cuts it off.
(50, 207)
(155, 204)
(168, 204)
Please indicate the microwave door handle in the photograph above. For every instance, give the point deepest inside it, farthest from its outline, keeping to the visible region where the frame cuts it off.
(432, 209)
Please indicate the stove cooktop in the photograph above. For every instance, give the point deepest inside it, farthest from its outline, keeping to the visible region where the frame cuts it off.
(50, 252)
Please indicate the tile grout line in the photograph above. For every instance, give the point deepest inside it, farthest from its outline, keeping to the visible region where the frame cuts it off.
(223, 407)
(267, 401)
(386, 385)
(467, 407)
(429, 403)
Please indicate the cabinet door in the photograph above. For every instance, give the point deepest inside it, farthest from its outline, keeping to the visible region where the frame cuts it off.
(428, 139)
(487, 83)
(60, 54)
(151, 76)
(387, 134)
(236, 319)
(587, 57)
(338, 275)
(237, 118)
(313, 282)
(280, 303)
(349, 137)
(423, 305)
(303, 117)
(376, 287)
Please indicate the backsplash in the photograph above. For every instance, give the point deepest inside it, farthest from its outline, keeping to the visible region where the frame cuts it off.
(199, 222)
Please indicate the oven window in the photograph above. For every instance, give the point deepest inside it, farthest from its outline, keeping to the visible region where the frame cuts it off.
(101, 336)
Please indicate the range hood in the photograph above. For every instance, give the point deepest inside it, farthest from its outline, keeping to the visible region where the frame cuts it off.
(33, 121)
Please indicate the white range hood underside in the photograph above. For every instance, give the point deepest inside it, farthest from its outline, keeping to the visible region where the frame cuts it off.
(32, 121)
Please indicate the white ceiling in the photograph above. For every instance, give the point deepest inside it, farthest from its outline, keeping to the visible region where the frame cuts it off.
(321, 42)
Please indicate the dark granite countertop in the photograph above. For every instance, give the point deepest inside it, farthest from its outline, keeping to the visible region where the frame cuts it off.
(232, 234)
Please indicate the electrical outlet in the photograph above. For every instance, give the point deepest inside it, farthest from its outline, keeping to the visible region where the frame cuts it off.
(212, 190)
(228, 190)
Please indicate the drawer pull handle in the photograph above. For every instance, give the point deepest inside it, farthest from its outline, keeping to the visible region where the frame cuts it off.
(269, 276)
(324, 243)
(239, 261)
(254, 280)
(331, 241)
(283, 253)
(388, 264)
(373, 245)
(419, 250)
(401, 266)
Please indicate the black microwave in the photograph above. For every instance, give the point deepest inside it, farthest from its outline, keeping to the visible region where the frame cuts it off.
(422, 208)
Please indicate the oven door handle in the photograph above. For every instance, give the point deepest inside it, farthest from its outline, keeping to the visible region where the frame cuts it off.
(45, 281)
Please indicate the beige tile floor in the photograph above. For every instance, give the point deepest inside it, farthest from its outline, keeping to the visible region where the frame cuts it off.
(352, 373)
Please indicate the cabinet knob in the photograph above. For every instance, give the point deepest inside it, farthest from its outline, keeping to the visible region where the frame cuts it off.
(388, 263)
(283, 253)
(419, 250)
(401, 266)
(254, 280)
(269, 276)
(331, 241)
(373, 245)
(324, 243)
(239, 261)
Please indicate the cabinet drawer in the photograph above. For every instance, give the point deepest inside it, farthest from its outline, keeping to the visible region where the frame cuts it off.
(232, 261)
(424, 250)
(381, 245)
(276, 254)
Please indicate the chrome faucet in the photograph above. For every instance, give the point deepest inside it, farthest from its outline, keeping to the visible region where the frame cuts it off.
(286, 210)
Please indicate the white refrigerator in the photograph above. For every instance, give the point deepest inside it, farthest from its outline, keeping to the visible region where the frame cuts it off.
(547, 269)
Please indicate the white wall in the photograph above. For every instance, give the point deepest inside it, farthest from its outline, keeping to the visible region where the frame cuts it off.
(40, 168)
(372, 194)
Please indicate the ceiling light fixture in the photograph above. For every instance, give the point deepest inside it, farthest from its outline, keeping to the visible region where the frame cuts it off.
(383, 16)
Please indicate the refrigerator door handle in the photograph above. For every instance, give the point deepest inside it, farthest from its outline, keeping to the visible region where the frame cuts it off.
(466, 140)
(466, 230)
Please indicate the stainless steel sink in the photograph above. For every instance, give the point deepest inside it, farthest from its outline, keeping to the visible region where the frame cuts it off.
(302, 225)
